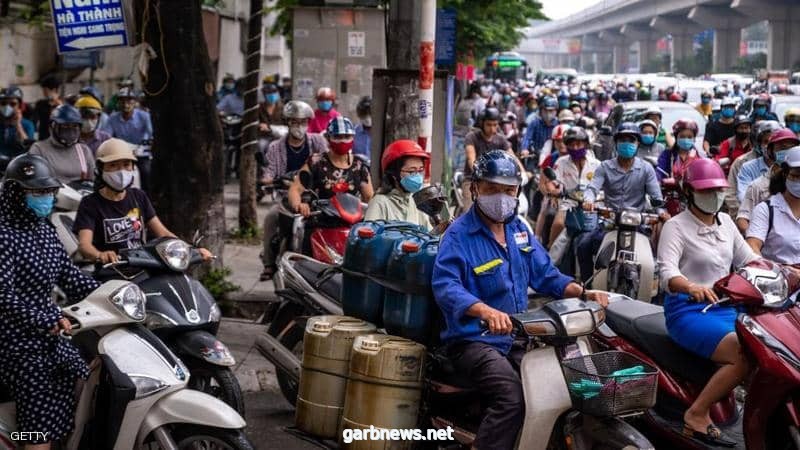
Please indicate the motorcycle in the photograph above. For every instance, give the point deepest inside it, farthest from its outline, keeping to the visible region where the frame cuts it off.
(181, 312)
(768, 327)
(64, 211)
(670, 189)
(557, 361)
(633, 271)
(330, 223)
(135, 396)
(232, 140)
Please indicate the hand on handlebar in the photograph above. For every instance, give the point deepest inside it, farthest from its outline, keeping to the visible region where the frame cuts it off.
(62, 325)
(588, 206)
(498, 322)
(664, 216)
(108, 257)
(702, 294)
(205, 254)
(303, 209)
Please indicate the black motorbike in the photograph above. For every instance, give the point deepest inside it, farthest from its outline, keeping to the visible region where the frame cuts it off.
(181, 312)
(232, 141)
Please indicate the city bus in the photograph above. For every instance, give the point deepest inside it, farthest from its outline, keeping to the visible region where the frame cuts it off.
(508, 66)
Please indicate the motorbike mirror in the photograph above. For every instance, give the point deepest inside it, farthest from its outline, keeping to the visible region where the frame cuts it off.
(550, 173)
(431, 201)
(305, 179)
(604, 257)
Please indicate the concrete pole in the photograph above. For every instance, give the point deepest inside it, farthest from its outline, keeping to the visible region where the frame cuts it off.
(726, 48)
(647, 52)
(620, 58)
(783, 50)
(426, 69)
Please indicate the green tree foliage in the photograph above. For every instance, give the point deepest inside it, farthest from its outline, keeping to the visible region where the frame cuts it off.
(484, 26)
(698, 64)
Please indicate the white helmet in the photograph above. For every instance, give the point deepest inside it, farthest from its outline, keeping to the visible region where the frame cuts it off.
(296, 109)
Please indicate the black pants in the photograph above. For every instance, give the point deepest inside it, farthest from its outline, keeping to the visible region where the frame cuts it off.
(496, 377)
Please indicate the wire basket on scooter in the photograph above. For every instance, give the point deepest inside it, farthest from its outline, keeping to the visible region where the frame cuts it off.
(610, 383)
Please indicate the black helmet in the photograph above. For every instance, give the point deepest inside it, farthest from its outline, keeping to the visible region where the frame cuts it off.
(627, 128)
(490, 113)
(576, 134)
(497, 166)
(742, 119)
(364, 107)
(31, 172)
(11, 92)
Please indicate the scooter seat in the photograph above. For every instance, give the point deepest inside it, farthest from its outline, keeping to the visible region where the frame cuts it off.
(443, 377)
(644, 325)
(310, 270)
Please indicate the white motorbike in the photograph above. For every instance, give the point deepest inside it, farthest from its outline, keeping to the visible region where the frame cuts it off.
(64, 211)
(136, 394)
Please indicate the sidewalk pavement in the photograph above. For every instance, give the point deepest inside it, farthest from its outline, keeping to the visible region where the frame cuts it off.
(253, 371)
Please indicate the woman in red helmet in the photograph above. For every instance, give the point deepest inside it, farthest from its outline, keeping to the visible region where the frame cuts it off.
(403, 167)
(698, 247)
(673, 161)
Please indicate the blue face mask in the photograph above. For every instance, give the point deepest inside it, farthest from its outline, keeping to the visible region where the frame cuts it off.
(780, 156)
(759, 150)
(325, 105)
(794, 126)
(705, 100)
(41, 205)
(648, 139)
(761, 110)
(273, 97)
(685, 144)
(626, 150)
(412, 183)
(728, 112)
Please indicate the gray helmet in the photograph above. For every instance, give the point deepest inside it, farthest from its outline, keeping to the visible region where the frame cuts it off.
(296, 109)
(32, 172)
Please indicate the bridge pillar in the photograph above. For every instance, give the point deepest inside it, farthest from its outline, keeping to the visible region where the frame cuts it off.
(783, 51)
(784, 35)
(726, 48)
(620, 58)
(647, 52)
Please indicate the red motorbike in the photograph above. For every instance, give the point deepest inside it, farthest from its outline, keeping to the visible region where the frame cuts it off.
(322, 235)
(671, 191)
(768, 327)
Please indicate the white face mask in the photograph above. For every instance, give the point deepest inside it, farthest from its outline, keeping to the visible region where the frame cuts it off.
(118, 180)
(709, 202)
(88, 125)
(298, 131)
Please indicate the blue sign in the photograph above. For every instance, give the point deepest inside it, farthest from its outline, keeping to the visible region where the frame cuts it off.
(88, 24)
(446, 36)
(82, 60)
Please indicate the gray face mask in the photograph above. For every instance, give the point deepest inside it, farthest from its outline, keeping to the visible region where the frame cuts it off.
(118, 180)
(7, 111)
(498, 207)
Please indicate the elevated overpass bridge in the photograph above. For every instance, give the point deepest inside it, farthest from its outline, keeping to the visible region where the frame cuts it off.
(615, 25)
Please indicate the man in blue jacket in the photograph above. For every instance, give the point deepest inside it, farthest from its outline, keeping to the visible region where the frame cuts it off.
(486, 262)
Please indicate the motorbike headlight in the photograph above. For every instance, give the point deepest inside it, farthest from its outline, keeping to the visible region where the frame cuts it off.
(175, 253)
(579, 323)
(146, 386)
(214, 315)
(131, 301)
(630, 218)
(769, 340)
(772, 284)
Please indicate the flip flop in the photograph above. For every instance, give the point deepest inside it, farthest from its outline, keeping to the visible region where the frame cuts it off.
(712, 436)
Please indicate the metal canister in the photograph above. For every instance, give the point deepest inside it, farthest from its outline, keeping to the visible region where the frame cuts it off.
(384, 388)
(327, 346)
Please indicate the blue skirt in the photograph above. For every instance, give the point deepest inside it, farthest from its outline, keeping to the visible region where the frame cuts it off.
(697, 332)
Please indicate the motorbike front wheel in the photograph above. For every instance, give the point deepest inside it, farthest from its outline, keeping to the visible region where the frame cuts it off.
(195, 436)
(216, 381)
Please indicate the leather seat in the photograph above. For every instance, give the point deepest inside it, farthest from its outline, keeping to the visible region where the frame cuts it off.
(310, 270)
(644, 326)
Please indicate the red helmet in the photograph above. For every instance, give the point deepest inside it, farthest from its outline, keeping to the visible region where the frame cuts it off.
(675, 97)
(684, 124)
(326, 93)
(704, 173)
(782, 134)
(402, 148)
